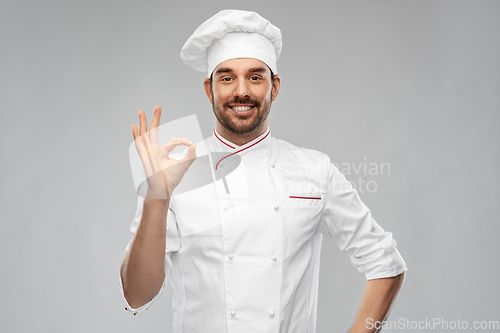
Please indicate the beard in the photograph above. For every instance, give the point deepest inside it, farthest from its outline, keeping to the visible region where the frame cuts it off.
(239, 124)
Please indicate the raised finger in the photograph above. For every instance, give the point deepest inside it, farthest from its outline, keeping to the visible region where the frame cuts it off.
(143, 125)
(156, 117)
(153, 129)
(135, 132)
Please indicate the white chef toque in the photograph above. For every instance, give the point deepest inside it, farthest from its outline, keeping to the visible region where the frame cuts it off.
(231, 34)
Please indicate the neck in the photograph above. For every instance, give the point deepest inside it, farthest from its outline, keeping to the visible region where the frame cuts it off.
(240, 139)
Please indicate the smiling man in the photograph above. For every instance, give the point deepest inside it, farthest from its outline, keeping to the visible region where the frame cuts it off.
(245, 256)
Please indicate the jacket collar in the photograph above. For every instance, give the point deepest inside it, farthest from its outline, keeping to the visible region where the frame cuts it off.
(224, 145)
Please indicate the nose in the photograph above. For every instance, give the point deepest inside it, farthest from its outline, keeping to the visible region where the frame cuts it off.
(241, 89)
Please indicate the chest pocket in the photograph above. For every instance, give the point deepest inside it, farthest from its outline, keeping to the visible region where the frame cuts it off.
(303, 198)
(302, 213)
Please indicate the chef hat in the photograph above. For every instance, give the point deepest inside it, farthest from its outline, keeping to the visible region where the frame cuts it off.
(232, 34)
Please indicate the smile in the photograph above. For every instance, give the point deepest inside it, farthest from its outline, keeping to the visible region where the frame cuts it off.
(242, 110)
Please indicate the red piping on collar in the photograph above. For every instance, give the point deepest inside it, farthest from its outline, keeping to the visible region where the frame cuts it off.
(222, 141)
(253, 144)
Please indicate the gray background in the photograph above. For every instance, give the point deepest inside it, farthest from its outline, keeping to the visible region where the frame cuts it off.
(411, 83)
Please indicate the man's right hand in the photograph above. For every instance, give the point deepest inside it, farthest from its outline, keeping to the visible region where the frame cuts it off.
(163, 173)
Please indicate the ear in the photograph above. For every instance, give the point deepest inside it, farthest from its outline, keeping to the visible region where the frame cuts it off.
(276, 87)
(208, 90)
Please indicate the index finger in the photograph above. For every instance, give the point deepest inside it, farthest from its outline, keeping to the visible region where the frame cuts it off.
(175, 142)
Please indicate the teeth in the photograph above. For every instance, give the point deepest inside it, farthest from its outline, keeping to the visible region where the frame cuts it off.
(241, 108)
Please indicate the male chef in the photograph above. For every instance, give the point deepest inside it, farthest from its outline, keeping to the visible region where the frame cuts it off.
(242, 252)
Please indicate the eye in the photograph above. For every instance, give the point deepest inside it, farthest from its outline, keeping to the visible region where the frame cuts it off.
(226, 79)
(255, 78)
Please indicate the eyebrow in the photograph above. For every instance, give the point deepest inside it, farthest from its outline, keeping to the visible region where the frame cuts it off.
(257, 70)
(223, 70)
(229, 70)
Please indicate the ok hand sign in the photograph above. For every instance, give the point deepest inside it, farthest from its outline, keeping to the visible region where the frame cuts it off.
(163, 173)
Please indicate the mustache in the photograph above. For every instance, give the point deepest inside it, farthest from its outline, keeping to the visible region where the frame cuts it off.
(239, 100)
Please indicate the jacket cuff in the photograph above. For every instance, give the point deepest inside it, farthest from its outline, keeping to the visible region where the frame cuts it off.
(135, 311)
(389, 266)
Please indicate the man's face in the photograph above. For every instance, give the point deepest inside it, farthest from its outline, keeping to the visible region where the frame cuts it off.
(241, 94)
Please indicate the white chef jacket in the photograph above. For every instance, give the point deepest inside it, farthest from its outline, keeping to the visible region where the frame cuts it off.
(248, 260)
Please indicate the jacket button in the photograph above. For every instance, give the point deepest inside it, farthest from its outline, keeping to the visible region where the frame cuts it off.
(230, 257)
(233, 313)
(276, 207)
(271, 313)
(273, 258)
(224, 207)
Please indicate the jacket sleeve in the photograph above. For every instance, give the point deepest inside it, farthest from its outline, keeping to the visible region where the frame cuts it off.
(172, 245)
(350, 223)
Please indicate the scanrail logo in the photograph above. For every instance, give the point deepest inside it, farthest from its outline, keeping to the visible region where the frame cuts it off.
(432, 324)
